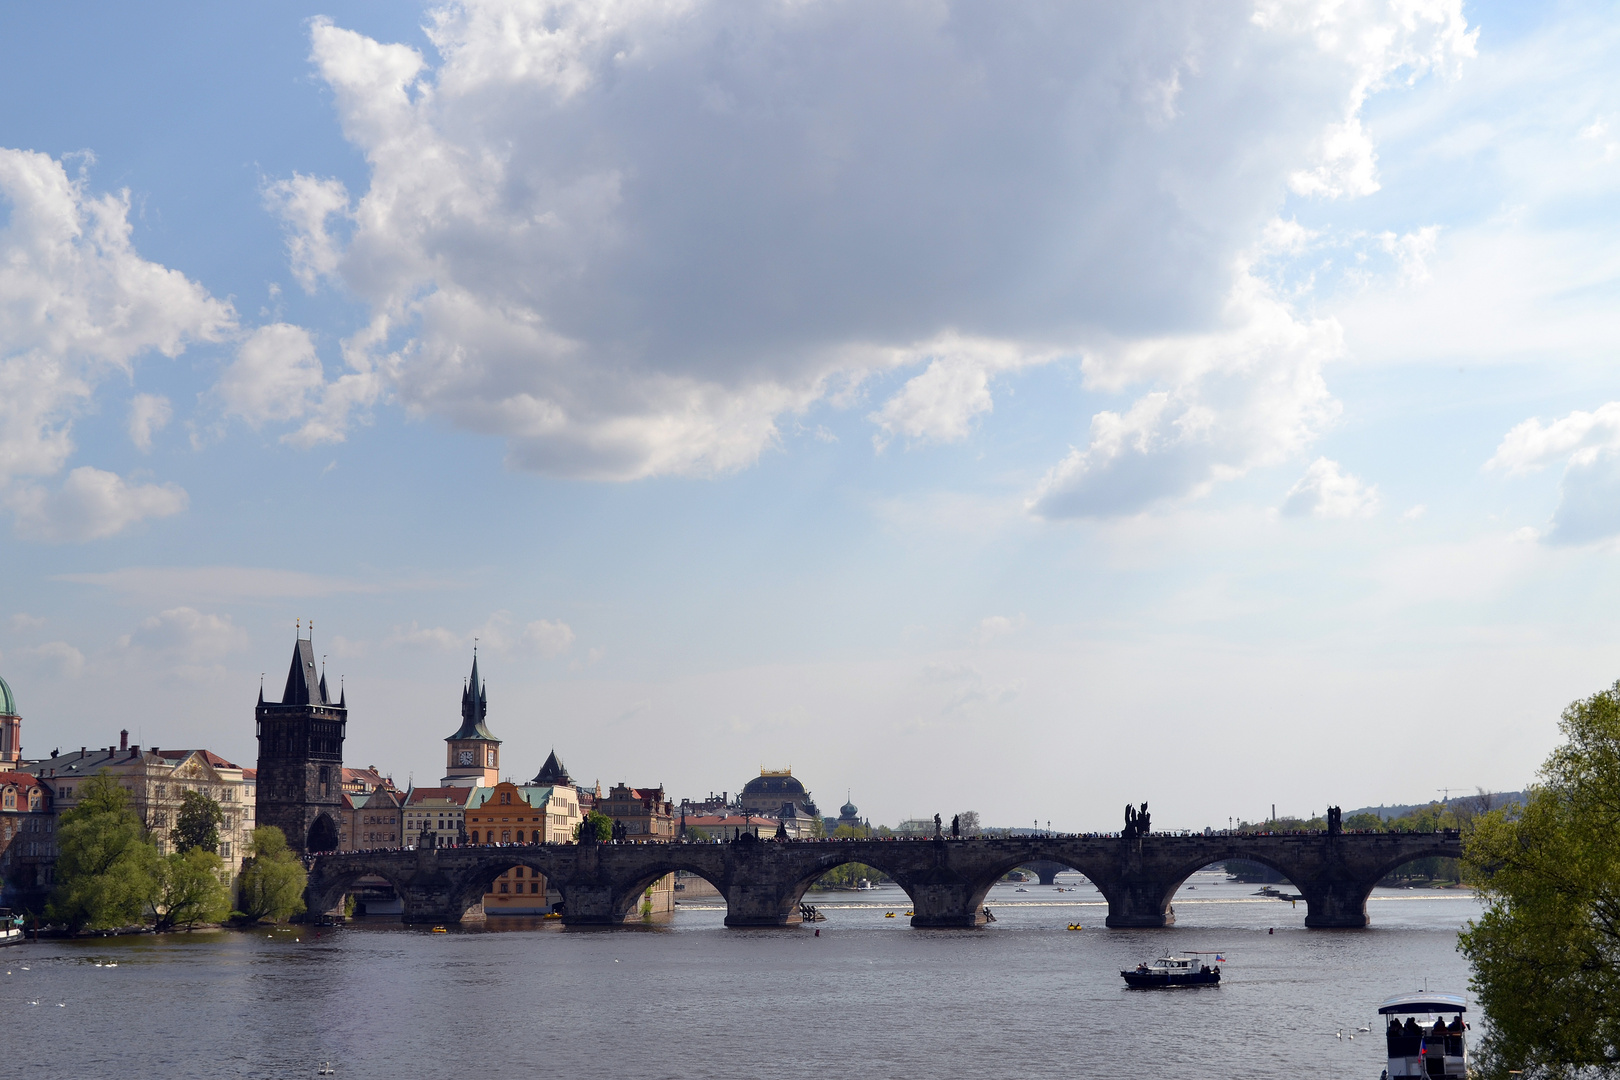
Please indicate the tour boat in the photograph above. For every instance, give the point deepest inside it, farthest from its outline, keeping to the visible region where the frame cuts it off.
(864, 885)
(1172, 971)
(11, 927)
(1428, 1043)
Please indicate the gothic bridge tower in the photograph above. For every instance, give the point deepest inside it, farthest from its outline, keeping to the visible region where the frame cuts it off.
(473, 754)
(300, 783)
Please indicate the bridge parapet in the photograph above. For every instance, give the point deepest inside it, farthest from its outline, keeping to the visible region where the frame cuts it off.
(947, 880)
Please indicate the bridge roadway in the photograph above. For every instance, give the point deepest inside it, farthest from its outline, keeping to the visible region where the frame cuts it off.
(763, 881)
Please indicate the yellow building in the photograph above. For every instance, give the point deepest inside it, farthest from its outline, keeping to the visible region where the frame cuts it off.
(442, 811)
(509, 814)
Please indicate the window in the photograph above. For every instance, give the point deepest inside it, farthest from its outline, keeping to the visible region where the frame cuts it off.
(506, 836)
(225, 850)
(518, 872)
(534, 886)
(506, 798)
(503, 886)
(490, 757)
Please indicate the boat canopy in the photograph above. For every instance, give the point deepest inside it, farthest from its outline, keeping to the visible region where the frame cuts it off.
(1424, 1003)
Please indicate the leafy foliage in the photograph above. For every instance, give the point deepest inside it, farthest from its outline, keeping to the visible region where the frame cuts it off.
(1546, 950)
(197, 823)
(107, 868)
(598, 823)
(192, 890)
(273, 879)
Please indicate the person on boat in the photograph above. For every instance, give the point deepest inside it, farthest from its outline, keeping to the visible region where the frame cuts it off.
(1394, 1026)
(1456, 1026)
(1411, 1027)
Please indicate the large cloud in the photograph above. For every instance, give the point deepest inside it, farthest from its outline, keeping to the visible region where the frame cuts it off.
(628, 236)
(1588, 446)
(77, 303)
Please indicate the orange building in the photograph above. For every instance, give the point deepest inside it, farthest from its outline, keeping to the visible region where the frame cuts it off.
(510, 814)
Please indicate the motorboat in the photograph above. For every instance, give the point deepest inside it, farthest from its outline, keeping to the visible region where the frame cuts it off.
(11, 927)
(864, 885)
(1168, 971)
(1433, 1039)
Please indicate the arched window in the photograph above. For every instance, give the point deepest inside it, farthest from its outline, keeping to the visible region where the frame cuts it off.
(506, 798)
(503, 886)
(506, 836)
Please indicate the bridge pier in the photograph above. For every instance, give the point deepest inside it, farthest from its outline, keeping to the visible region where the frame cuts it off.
(1046, 871)
(1137, 904)
(762, 905)
(946, 904)
(1336, 905)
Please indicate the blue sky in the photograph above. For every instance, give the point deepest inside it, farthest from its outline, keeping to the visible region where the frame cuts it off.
(972, 410)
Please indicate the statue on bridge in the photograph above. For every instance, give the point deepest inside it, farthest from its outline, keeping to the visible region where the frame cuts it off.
(956, 827)
(1137, 822)
(939, 832)
(1335, 820)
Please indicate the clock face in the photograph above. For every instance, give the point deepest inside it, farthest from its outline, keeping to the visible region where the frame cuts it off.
(465, 757)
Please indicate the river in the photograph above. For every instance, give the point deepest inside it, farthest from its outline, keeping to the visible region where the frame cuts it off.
(869, 997)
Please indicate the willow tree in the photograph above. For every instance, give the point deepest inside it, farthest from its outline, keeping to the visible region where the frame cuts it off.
(1546, 950)
(273, 880)
(108, 870)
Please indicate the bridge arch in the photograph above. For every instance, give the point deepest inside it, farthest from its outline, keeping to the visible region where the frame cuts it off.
(326, 888)
(1038, 851)
(839, 854)
(471, 881)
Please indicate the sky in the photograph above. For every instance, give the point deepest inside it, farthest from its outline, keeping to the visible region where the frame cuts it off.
(1019, 409)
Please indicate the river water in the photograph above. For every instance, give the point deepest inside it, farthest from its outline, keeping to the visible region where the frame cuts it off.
(869, 997)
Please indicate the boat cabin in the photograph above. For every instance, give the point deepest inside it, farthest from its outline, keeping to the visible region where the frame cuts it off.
(1426, 1035)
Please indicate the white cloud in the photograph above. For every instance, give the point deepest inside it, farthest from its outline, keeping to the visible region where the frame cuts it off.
(996, 626)
(22, 621)
(1532, 444)
(277, 376)
(57, 656)
(941, 404)
(76, 304)
(1588, 445)
(1382, 41)
(273, 377)
(548, 638)
(91, 504)
(1325, 491)
(628, 239)
(306, 203)
(1249, 394)
(148, 414)
(187, 636)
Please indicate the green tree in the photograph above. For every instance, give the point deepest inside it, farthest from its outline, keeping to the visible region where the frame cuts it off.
(197, 823)
(598, 823)
(273, 879)
(1546, 949)
(107, 868)
(192, 890)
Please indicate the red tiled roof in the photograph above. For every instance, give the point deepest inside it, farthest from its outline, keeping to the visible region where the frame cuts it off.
(458, 795)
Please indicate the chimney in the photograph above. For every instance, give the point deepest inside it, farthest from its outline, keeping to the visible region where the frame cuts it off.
(123, 739)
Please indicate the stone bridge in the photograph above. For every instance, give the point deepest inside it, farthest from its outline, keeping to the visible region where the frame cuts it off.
(763, 881)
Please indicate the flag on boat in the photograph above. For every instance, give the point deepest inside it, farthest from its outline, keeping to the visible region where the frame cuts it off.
(1219, 959)
(1423, 1047)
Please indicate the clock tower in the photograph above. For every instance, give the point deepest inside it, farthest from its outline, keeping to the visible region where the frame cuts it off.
(473, 755)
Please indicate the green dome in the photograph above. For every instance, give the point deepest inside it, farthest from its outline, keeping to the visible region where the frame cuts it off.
(8, 704)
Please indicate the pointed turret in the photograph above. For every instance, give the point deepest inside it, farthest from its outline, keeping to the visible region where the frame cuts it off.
(305, 685)
(553, 774)
(473, 756)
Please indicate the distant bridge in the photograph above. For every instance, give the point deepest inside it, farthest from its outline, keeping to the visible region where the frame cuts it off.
(763, 881)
